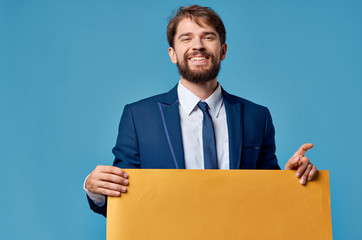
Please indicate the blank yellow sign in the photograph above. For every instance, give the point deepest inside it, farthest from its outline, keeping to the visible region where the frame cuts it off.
(220, 204)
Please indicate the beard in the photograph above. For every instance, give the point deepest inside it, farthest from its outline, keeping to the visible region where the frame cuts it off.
(199, 75)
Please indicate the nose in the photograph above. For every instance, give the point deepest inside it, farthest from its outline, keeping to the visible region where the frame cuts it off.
(198, 44)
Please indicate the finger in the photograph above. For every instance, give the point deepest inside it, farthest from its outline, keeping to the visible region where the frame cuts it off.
(312, 173)
(108, 177)
(111, 186)
(303, 166)
(111, 169)
(108, 192)
(303, 149)
(303, 179)
(293, 163)
(111, 182)
(106, 188)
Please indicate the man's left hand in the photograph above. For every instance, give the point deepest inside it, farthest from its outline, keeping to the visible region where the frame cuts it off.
(306, 171)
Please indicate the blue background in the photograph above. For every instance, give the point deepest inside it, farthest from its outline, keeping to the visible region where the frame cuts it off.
(67, 68)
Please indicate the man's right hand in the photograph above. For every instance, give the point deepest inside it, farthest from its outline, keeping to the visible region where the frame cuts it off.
(107, 180)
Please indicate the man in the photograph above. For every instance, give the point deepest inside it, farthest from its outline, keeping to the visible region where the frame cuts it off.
(197, 124)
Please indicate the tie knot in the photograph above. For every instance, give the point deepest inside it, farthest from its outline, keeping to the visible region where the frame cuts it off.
(203, 106)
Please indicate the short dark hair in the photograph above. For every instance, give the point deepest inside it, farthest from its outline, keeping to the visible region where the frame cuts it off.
(195, 13)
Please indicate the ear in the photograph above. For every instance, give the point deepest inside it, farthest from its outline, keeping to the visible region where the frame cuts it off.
(224, 49)
(172, 54)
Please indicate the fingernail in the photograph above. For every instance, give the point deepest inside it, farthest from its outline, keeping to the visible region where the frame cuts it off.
(298, 174)
(125, 175)
(309, 179)
(118, 193)
(124, 189)
(125, 182)
(302, 181)
(296, 158)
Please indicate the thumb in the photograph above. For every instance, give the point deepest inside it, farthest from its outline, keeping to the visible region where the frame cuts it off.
(292, 163)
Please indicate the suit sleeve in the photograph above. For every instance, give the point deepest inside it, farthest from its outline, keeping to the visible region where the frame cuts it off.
(101, 210)
(126, 151)
(267, 158)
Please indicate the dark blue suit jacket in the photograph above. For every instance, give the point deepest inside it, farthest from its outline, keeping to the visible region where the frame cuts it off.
(150, 135)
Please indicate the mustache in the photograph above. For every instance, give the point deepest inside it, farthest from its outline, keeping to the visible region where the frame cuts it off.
(204, 53)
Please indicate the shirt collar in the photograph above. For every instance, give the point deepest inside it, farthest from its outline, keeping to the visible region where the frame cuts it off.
(189, 100)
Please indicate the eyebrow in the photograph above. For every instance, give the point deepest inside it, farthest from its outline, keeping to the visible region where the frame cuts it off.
(184, 35)
(189, 33)
(209, 33)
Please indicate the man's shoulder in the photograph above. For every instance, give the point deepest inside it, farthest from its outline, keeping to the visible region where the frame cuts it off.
(153, 101)
(233, 99)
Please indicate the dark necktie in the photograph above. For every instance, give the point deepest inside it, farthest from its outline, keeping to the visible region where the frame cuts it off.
(208, 138)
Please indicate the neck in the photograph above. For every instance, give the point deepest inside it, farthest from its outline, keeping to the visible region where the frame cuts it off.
(202, 90)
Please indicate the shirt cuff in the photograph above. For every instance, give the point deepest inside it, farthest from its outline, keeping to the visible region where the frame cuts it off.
(98, 199)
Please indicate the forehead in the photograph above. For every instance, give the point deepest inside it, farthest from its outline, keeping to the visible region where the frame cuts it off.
(187, 25)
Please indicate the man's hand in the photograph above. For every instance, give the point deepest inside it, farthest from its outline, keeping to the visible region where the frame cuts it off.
(107, 180)
(306, 171)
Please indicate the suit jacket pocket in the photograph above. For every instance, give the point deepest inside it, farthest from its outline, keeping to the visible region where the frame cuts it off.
(251, 145)
(250, 155)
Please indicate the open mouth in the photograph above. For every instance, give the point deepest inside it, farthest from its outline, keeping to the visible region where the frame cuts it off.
(198, 59)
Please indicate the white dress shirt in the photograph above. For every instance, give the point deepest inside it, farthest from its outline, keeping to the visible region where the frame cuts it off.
(191, 119)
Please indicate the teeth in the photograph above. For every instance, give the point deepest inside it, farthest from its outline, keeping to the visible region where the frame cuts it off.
(198, 58)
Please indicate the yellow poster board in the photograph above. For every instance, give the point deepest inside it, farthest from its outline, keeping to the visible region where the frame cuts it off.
(220, 204)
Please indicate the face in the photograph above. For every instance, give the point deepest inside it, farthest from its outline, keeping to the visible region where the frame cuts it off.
(197, 51)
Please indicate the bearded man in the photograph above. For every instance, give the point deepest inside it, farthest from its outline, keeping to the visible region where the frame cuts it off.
(197, 124)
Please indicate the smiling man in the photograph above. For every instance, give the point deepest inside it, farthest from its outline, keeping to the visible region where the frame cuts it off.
(197, 124)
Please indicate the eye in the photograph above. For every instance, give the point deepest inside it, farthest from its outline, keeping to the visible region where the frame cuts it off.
(209, 37)
(185, 39)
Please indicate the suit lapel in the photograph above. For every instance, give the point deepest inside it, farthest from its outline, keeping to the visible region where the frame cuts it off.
(170, 115)
(234, 112)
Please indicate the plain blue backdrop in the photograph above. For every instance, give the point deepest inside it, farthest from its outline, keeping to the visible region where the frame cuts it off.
(67, 68)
